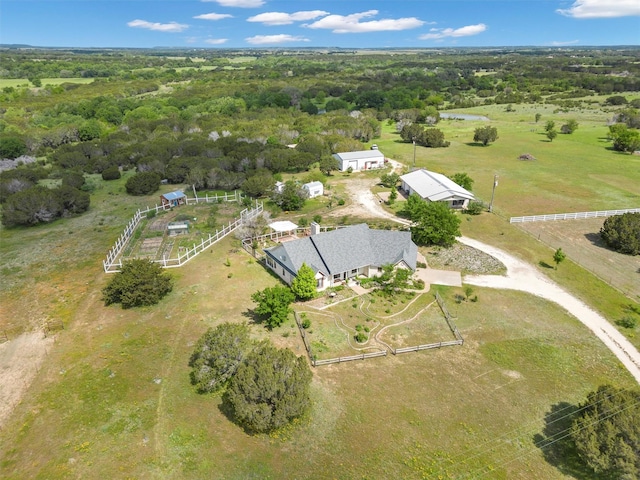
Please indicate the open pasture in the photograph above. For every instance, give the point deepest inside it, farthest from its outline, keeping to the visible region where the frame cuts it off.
(581, 241)
(574, 173)
(114, 395)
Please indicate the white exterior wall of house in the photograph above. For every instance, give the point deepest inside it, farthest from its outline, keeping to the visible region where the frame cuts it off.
(357, 161)
(280, 271)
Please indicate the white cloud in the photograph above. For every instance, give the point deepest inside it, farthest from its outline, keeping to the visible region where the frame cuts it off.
(601, 9)
(274, 39)
(171, 27)
(439, 33)
(216, 41)
(564, 44)
(213, 16)
(238, 3)
(280, 18)
(352, 24)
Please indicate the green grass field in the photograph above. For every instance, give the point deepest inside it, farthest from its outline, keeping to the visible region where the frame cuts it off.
(23, 82)
(113, 399)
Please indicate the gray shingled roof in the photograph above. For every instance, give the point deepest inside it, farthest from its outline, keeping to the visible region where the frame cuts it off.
(346, 249)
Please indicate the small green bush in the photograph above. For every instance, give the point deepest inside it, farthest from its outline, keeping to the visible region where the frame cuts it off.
(627, 322)
(306, 323)
(360, 337)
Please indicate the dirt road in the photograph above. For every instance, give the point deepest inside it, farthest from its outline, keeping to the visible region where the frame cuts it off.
(520, 276)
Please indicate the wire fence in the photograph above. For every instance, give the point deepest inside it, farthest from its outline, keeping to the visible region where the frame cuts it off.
(571, 216)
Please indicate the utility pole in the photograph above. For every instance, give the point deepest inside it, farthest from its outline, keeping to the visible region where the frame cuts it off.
(495, 184)
(414, 153)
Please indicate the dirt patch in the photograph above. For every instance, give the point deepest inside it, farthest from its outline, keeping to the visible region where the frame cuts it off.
(20, 361)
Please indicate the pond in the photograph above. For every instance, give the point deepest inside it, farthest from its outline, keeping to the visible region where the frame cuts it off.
(462, 116)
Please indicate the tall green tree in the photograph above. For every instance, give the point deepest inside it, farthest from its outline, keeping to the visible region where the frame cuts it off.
(292, 197)
(304, 285)
(462, 179)
(139, 283)
(606, 432)
(274, 304)
(269, 390)
(217, 356)
(485, 135)
(434, 223)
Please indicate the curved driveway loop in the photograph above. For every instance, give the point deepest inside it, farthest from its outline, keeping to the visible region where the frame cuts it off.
(520, 276)
(524, 277)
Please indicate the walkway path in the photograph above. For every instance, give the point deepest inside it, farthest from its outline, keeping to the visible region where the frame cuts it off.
(520, 276)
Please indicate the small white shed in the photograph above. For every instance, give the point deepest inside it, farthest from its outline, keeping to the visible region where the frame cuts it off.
(314, 189)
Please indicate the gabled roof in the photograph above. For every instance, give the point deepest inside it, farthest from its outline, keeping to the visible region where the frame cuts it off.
(362, 154)
(174, 195)
(312, 185)
(346, 249)
(435, 186)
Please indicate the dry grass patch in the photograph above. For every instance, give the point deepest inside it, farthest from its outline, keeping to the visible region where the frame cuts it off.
(581, 241)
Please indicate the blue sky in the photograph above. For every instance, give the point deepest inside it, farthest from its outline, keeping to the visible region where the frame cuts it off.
(319, 23)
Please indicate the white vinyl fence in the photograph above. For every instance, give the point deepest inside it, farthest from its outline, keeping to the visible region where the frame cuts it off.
(571, 216)
(111, 264)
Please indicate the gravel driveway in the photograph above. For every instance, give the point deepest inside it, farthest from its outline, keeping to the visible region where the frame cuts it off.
(520, 276)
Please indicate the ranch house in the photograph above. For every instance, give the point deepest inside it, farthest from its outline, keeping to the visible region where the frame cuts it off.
(435, 187)
(362, 160)
(341, 254)
(173, 199)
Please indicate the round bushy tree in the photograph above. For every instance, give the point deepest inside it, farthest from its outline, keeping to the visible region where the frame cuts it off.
(139, 283)
(143, 183)
(273, 304)
(269, 389)
(12, 147)
(31, 206)
(622, 233)
(434, 223)
(218, 355)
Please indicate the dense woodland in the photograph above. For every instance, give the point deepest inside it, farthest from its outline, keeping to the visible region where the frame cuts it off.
(224, 119)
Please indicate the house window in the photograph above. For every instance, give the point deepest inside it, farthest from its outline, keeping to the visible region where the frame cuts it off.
(336, 276)
(270, 262)
(354, 271)
(457, 203)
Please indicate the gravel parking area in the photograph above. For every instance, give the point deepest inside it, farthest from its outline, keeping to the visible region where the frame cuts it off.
(465, 259)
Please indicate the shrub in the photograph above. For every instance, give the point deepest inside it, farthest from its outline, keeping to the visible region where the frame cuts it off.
(360, 337)
(627, 322)
(474, 208)
(139, 283)
(306, 323)
(111, 173)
